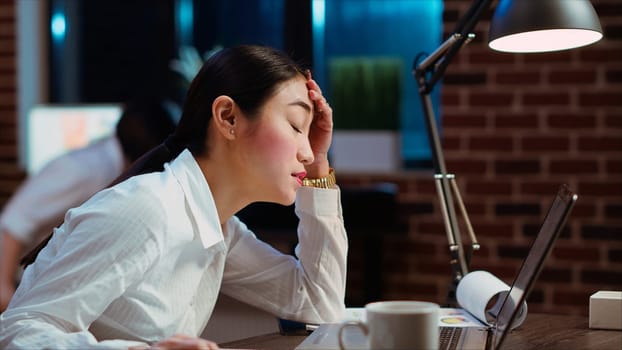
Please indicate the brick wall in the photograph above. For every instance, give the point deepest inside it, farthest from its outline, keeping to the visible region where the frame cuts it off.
(514, 128)
(10, 174)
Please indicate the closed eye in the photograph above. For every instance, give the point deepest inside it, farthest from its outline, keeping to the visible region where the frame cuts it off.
(296, 128)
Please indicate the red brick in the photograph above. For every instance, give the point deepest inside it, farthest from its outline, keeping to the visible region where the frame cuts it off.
(451, 143)
(613, 76)
(609, 233)
(602, 277)
(450, 98)
(579, 298)
(7, 10)
(434, 228)
(518, 78)
(600, 144)
(494, 187)
(8, 135)
(604, 188)
(613, 166)
(574, 253)
(464, 121)
(600, 55)
(431, 267)
(546, 99)
(522, 121)
(490, 99)
(517, 209)
(492, 229)
(491, 143)
(583, 210)
(599, 99)
(613, 121)
(517, 167)
(572, 77)
(557, 275)
(426, 186)
(573, 167)
(572, 121)
(466, 166)
(545, 144)
(465, 78)
(8, 152)
(538, 187)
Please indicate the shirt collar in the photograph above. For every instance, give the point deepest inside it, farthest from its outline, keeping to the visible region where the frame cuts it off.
(199, 198)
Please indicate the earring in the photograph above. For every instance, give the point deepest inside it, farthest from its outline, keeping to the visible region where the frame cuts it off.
(231, 131)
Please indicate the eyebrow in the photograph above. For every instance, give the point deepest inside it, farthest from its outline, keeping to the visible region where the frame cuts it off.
(301, 104)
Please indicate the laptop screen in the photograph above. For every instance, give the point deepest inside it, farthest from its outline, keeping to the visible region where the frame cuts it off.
(533, 263)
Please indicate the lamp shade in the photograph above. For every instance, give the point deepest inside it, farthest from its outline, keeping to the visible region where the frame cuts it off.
(543, 25)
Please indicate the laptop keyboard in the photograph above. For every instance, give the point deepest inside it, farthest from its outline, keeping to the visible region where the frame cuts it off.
(449, 337)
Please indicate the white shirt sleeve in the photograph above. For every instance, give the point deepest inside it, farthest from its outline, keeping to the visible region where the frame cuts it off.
(38, 331)
(61, 294)
(308, 289)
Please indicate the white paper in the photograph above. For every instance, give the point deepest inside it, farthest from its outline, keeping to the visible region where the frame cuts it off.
(453, 317)
(354, 314)
(481, 293)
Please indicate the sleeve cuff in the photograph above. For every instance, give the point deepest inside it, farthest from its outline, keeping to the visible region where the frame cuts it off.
(318, 201)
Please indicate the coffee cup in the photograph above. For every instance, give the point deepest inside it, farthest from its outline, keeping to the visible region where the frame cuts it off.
(397, 325)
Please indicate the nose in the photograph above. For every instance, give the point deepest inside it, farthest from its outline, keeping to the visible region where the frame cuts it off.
(305, 153)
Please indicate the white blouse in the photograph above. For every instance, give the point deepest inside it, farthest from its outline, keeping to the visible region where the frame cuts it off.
(146, 259)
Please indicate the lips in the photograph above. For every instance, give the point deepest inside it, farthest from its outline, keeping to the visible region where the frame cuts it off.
(299, 176)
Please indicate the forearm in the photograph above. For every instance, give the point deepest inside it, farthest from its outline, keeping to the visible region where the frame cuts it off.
(308, 289)
(37, 331)
(11, 250)
(322, 251)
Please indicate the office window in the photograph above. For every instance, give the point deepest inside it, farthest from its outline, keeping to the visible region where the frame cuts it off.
(382, 35)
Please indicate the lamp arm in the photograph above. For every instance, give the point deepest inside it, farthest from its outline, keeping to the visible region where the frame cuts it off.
(464, 31)
(433, 67)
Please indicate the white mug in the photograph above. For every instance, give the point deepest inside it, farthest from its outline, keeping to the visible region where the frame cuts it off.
(398, 325)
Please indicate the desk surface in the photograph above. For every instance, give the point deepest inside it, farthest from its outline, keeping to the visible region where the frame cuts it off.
(540, 331)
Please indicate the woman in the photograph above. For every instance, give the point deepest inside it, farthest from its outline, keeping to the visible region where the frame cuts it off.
(144, 260)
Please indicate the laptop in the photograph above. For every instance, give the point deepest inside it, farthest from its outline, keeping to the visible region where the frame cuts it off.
(484, 337)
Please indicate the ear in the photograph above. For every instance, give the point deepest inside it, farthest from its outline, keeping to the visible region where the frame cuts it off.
(223, 114)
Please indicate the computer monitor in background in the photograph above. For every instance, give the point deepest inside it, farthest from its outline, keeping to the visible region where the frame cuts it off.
(52, 130)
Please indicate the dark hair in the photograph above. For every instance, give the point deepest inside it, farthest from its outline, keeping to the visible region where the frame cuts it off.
(248, 74)
(144, 124)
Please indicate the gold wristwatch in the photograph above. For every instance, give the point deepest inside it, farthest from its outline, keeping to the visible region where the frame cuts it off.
(322, 182)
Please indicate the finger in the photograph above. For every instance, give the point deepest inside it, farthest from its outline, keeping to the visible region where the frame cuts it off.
(312, 85)
(319, 101)
(182, 341)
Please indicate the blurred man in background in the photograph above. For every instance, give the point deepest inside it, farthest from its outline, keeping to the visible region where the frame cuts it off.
(40, 203)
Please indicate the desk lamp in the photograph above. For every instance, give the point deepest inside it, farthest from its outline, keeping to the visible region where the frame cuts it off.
(525, 26)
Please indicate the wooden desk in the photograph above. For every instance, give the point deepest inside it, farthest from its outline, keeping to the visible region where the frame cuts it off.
(540, 331)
